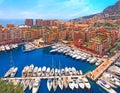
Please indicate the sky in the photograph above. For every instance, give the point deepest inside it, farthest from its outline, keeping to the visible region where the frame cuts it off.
(51, 9)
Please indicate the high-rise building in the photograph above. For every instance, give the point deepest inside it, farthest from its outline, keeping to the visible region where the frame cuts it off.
(39, 22)
(29, 22)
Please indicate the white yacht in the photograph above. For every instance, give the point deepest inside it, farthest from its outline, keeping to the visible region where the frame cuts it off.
(39, 72)
(14, 72)
(35, 71)
(31, 84)
(44, 68)
(94, 60)
(87, 84)
(104, 85)
(7, 47)
(81, 84)
(71, 85)
(36, 86)
(60, 83)
(30, 70)
(53, 50)
(90, 58)
(49, 84)
(2, 48)
(15, 45)
(98, 62)
(55, 84)
(25, 84)
(8, 73)
(76, 84)
(28, 47)
(115, 80)
(78, 57)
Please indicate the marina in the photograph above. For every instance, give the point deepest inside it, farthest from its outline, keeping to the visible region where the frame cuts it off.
(75, 53)
(60, 46)
(54, 78)
(8, 47)
(76, 81)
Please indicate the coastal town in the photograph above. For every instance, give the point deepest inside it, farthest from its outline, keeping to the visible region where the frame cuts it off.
(79, 41)
(94, 40)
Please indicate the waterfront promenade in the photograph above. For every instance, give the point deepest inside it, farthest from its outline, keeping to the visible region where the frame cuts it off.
(95, 74)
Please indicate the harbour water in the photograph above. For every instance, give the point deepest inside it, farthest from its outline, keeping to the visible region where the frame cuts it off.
(40, 58)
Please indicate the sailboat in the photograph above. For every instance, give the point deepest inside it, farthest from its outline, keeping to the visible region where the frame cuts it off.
(60, 81)
(55, 81)
(8, 73)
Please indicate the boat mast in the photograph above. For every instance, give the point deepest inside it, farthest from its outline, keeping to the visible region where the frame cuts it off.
(59, 66)
(11, 60)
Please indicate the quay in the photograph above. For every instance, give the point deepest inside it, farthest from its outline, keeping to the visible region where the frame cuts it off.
(43, 77)
(95, 74)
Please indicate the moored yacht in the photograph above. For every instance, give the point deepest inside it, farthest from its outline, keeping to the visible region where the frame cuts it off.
(35, 71)
(14, 72)
(8, 73)
(39, 72)
(71, 85)
(104, 85)
(87, 84)
(81, 84)
(76, 84)
(98, 62)
(49, 84)
(55, 84)
(30, 70)
(36, 86)
(2, 48)
(31, 84)
(60, 83)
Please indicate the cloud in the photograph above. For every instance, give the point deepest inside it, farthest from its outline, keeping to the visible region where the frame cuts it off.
(62, 8)
(50, 9)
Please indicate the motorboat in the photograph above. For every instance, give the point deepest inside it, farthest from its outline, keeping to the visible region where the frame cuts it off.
(71, 85)
(55, 84)
(60, 83)
(49, 84)
(104, 85)
(8, 73)
(87, 84)
(36, 86)
(14, 72)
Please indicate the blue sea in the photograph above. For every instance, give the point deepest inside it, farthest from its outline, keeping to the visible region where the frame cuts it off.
(4, 22)
(42, 57)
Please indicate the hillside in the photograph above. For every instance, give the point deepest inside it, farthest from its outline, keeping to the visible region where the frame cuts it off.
(112, 12)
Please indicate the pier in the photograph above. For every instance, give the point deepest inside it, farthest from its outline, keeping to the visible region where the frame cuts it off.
(45, 77)
(95, 74)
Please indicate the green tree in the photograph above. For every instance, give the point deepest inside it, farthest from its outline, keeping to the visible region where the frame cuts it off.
(8, 87)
